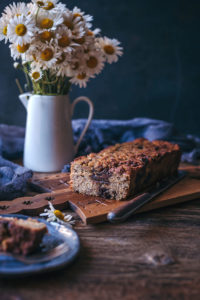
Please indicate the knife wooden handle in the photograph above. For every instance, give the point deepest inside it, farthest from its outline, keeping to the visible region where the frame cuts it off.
(122, 213)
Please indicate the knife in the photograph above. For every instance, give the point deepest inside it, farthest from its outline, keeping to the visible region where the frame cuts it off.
(125, 211)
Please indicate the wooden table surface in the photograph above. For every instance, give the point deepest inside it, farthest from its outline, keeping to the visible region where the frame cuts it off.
(154, 255)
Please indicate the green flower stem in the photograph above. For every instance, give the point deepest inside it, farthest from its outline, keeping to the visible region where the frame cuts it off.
(50, 84)
(36, 16)
(27, 76)
(19, 86)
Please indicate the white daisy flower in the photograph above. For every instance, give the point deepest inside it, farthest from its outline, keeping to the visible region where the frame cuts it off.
(35, 74)
(74, 24)
(85, 41)
(88, 40)
(46, 57)
(110, 48)
(75, 66)
(32, 9)
(3, 28)
(21, 30)
(13, 51)
(16, 9)
(49, 5)
(18, 51)
(58, 7)
(77, 62)
(46, 36)
(39, 3)
(34, 62)
(64, 39)
(63, 69)
(63, 65)
(80, 79)
(94, 32)
(49, 21)
(94, 62)
(81, 16)
(55, 215)
(30, 55)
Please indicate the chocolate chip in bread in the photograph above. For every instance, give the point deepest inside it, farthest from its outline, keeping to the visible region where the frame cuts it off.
(123, 170)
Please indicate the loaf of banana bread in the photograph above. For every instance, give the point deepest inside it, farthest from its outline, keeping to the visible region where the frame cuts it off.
(123, 170)
(20, 236)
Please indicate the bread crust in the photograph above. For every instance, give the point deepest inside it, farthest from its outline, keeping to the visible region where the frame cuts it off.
(20, 236)
(123, 170)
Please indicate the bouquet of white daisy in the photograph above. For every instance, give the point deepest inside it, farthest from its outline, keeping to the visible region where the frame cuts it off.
(56, 46)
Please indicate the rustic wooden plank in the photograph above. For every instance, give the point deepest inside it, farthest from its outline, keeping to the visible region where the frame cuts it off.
(34, 205)
(154, 255)
(93, 209)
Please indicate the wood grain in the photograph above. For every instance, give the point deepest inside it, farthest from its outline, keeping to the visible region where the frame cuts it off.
(154, 255)
(92, 210)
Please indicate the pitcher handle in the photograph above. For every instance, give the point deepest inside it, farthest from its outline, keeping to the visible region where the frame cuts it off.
(90, 116)
(24, 99)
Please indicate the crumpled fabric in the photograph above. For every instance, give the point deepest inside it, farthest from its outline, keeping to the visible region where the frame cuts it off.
(101, 134)
(13, 178)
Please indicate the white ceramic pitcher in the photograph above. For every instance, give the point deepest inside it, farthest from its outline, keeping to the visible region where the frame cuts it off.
(49, 137)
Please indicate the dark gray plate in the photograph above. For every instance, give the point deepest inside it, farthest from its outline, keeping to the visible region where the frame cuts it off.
(59, 236)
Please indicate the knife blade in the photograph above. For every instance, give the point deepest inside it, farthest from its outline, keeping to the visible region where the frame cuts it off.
(125, 211)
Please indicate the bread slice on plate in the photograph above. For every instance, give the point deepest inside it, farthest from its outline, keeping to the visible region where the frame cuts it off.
(20, 236)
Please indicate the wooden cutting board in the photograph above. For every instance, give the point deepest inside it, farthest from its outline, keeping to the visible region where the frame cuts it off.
(55, 188)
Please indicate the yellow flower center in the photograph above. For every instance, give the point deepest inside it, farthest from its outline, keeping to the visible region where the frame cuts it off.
(77, 15)
(49, 6)
(40, 3)
(35, 75)
(47, 54)
(68, 24)
(18, 15)
(34, 58)
(64, 41)
(80, 41)
(90, 33)
(81, 76)
(109, 49)
(23, 48)
(46, 23)
(20, 29)
(92, 62)
(59, 214)
(46, 36)
(5, 29)
(61, 59)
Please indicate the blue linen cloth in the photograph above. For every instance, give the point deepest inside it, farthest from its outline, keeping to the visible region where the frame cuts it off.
(101, 133)
(13, 178)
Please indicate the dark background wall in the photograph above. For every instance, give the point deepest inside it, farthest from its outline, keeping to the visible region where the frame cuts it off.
(158, 76)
